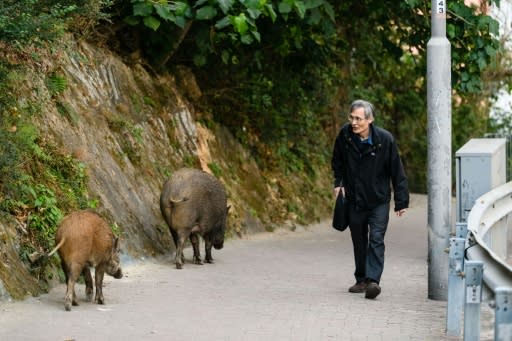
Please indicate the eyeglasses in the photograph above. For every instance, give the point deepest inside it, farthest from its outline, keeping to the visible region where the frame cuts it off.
(357, 119)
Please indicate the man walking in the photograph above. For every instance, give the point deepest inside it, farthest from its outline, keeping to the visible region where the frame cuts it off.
(367, 166)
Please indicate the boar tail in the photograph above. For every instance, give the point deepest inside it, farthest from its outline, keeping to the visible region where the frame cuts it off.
(37, 256)
(57, 247)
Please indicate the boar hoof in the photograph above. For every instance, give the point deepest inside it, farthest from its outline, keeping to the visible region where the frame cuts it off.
(99, 299)
(67, 305)
(179, 266)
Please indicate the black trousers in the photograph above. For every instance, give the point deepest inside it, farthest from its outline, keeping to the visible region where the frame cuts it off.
(367, 229)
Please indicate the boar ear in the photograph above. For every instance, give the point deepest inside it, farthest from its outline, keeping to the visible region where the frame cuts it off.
(116, 244)
(227, 209)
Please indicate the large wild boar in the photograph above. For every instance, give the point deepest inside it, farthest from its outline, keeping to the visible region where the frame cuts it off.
(193, 204)
(85, 240)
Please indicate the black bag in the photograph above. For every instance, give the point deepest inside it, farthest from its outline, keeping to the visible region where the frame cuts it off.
(340, 217)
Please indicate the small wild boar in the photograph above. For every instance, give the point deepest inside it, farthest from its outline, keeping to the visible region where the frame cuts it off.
(193, 204)
(85, 240)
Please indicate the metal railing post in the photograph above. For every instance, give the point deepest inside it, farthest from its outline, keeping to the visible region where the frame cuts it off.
(503, 314)
(455, 303)
(473, 271)
(461, 230)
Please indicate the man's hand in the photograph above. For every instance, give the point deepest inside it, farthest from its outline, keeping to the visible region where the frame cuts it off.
(401, 212)
(337, 191)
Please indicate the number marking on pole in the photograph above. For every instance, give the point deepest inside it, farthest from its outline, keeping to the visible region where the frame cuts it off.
(440, 7)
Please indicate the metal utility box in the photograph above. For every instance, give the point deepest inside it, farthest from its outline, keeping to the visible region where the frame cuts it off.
(480, 167)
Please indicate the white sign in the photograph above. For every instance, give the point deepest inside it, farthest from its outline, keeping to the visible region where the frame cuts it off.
(440, 7)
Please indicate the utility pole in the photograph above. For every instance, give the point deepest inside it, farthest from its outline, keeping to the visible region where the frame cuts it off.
(439, 170)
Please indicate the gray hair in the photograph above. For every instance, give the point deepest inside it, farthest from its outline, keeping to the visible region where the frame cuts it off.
(367, 106)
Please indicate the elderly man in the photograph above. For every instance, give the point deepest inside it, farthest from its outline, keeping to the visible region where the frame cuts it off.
(367, 167)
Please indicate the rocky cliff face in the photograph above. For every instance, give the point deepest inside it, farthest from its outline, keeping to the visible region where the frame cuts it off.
(132, 129)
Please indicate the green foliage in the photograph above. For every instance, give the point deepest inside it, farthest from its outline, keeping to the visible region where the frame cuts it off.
(152, 13)
(130, 136)
(31, 20)
(289, 67)
(88, 14)
(217, 22)
(387, 63)
(34, 21)
(501, 122)
(115, 229)
(56, 83)
(149, 101)
(473, 50)
(190, 160)
(37, 181)
(67, 111)
(215, 168)
(292, 68)
(46, 214)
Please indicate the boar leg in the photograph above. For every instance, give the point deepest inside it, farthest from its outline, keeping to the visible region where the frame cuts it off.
(98, 280)
(176, 239)
(72, 275)
(180, 258)
(208, 250)
(194, 239)
(86, 272)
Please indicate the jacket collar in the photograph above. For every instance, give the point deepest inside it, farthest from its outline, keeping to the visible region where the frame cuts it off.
(376, 139)
(374, 133)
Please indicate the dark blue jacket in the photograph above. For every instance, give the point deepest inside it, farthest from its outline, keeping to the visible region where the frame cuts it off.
(367, 172)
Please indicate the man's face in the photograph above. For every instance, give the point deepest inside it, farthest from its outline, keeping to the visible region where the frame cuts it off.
(360, 125)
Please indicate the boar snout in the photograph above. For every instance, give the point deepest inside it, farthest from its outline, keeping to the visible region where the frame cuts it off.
(218, 239)
(118, 274)
(114, 270)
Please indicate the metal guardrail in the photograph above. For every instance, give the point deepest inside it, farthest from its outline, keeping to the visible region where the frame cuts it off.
(478, 256)
(487, 235)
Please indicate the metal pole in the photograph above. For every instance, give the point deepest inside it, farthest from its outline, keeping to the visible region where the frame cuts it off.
(439, 170)
(474, 276)
(455, 287)
(503, 314)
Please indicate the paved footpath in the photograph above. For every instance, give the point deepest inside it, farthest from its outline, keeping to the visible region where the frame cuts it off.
(271, 286)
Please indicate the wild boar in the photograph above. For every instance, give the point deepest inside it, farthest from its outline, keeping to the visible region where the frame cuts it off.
(193, 204)
(85, 240)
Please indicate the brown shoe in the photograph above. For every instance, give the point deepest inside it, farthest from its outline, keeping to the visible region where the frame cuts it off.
(359, 287)
(372, 290)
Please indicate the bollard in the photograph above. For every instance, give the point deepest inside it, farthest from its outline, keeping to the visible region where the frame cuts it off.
(473, 271)
(455, 287)
(503, 314)
(461, 230)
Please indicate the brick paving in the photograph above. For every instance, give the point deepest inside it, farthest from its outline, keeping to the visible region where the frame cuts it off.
(271, 286)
